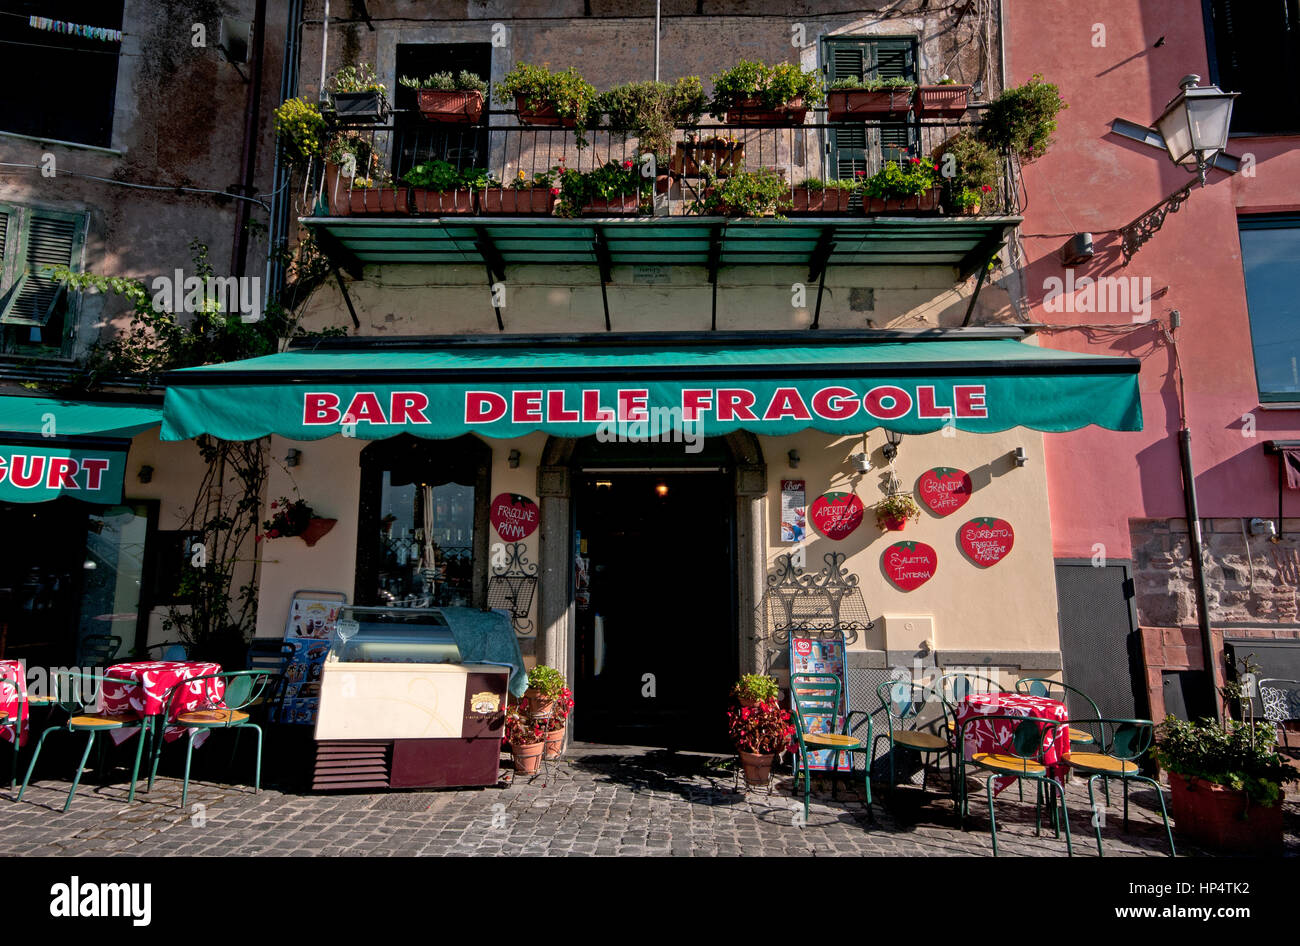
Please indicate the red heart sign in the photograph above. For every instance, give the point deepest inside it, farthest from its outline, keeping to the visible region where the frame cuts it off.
(944, 489)
(836, 515)
(909, 565)
(514, 517)
(987, 540)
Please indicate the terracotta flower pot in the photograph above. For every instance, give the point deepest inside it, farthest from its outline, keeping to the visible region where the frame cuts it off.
(538, 705)
(1224, 819)
(622, 206)
(757, 767)
(941, 101)
(927, 202)
(848, 105)
(527, 757)
(450, 108)
(751, 112)
(544, 114)
(554, 744)
(523, 200)
(722, 157)
(893, 523)
(830, 200)
(442, 202)
(377, 200)
(316, 530)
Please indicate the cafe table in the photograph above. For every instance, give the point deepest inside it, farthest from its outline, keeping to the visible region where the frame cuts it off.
(995, 735)
(152, 680)
(12, 688)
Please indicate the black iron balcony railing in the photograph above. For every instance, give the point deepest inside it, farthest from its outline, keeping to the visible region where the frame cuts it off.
(492, 166)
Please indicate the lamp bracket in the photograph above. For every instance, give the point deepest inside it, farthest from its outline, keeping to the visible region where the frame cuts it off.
(1135, 234)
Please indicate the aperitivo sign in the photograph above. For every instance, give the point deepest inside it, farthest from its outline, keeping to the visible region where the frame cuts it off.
(32, 474)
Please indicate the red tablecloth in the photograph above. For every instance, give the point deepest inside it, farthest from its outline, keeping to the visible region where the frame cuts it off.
(995, 735)
(154, 678)
(12, 685)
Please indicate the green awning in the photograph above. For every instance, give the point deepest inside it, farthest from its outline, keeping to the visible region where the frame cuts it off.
(51, 447)
(589, 385)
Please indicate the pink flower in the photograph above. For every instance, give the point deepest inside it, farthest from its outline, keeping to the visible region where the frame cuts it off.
(627, 164)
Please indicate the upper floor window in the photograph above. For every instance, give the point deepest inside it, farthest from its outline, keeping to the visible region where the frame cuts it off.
(858, 149)
(1270, 256)
(59, 60)
(37, 313)
(1255, 50)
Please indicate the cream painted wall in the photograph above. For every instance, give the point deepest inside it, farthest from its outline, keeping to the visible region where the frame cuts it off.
(1008, 606)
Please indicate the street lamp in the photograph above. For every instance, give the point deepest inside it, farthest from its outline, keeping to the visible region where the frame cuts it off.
(1195, 125)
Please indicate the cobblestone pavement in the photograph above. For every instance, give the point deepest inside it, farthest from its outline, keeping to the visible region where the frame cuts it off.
(601, 800)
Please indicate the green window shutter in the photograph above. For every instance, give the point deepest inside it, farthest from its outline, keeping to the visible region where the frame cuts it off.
(50, 239)
(855, 147)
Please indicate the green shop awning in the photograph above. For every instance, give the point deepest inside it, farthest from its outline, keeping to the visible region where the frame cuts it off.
(51, 447)
(575, 386)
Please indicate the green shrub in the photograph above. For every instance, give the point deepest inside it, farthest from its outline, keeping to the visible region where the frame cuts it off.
(652, 110)
(1242, 756)
(301, 128)
(899, 180)
(772, 86)
(547, 681)
(466, 81)
(759, 193)
(968, 170)
(567, 92)
(441, 176)
(1022, 119)
(611, 181)
(358, 78)
(755, 686)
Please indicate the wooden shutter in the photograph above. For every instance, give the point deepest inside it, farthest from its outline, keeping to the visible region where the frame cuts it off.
(50, 239)
(1256, 51)
(857, 148)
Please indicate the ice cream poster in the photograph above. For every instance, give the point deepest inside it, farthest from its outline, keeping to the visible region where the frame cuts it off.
(814, 655)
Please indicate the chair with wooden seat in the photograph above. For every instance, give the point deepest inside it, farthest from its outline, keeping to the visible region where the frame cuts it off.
(1117, 754)
(78, 696)
(817, 696)
(902, 702)
(224, 701)
(1022, 759)
(1076, 701)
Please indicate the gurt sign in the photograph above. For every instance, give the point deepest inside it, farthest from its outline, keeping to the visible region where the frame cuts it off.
(28, 470)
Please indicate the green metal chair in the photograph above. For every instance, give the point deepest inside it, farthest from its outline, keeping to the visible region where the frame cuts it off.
(75, 694)
(96, 650)
(1022, 759)
(221, 707)
(1122, 743)
(1056, 690)
(272, 655)
(954, 687)
(818, 694)
(902, 702)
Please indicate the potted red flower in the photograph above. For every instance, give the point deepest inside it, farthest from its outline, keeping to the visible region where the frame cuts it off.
(526, 740)
(555, 726)
(759, 732)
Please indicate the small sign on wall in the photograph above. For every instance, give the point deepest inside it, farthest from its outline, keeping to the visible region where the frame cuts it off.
(836, 515)
(515, 517)
(794, 511)
(944, 489)
(986, 540)
(909, 565)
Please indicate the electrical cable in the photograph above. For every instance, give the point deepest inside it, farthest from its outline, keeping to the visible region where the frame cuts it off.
(148, 187)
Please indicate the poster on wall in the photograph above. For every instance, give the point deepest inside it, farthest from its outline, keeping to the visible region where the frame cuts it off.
(515, 517)
(816, 655)
(794, 523)
(986, 540)
(837, 515)
(909, 565)
(309, 632)
(944, 489)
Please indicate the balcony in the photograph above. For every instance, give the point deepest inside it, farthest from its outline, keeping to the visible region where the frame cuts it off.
(659, 215)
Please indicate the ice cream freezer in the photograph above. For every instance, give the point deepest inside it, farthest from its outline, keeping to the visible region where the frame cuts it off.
(415, 698)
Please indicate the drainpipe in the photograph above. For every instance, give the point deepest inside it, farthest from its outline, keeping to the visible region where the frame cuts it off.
(658, 3)
(248, 161)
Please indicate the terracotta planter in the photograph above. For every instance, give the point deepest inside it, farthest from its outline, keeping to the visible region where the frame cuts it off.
(442, 202)
(830, 200)
(751, 112)
(450, 108)
(525, 200)
(316, 530)
(723, 158)
(544, 115)
(527, 757)
(353, 107)
(941, 101)
(757, 767)
(923, 203)
(378, 200)
(554, 744)
(858, 105)
(538, 706)
(622, 206)
(1223, 819)
(892, 523)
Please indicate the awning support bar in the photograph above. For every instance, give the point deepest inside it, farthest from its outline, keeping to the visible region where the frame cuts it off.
(338, 278)
(715, 260)
(817, 314)
(501, 325)
(491, 255)
(980, 255)
(606, 265)
(974, 296)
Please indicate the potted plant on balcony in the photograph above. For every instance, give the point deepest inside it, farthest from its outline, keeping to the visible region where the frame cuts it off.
(894, 510)
(1022, 119)
(1226, 781)
(300, 127)
(550, 99)
(370, 195)
(613, 189)
(754, 93)
(358, 95)
(447, 98)
(527, 741)
(851, 99)
(652, 111)
(968, 173)
(945, 100)
(521, 196)
(759, 732)
(906, 185)
(817, 197)
(290, 518)
(720, 154)
(438, 187)
(761, 193)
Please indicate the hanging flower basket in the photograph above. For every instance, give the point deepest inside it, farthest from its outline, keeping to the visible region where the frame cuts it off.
(450, 108)
(295, 518)
(316, 530)
(941, 101)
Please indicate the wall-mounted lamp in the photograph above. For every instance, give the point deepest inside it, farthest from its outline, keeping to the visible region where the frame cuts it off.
(1020, 456)
(513, 459)
(893, 439)
(146, 474)
(794, 458)
(293, 458)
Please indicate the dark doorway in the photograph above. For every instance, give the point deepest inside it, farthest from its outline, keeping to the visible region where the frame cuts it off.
(656, 618)
(1100, 645)
(40, 580)
(418, 140)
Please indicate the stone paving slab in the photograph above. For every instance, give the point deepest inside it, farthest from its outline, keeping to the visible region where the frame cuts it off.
(611, 801)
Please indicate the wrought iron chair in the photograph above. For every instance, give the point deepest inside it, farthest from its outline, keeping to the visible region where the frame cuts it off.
(814, 695)
(222, 706)
(902, 702)
(1281, 704)
(1121, 744)
(96, 650)
(1022, 759)
(69, 688)
(955, 686)
(273, 656)
(1056, 690)
(168, 650)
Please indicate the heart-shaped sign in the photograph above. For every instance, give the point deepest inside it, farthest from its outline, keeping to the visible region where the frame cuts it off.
(987, 540)
(909, 565)
(836, 515)
(944, 489)
(514, 517)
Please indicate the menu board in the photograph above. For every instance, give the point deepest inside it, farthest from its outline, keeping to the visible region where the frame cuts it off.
(816, 655)
(794, 520)
(308, 630)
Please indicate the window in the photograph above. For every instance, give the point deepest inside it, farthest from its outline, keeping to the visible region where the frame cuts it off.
(1254, 48)
(423, 521)
(1270, 256)
(419, 140)
(37, 313)
(859, 147)
(77, 88)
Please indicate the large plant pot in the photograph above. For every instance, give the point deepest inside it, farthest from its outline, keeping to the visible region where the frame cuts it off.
(363, 107)
(1224, 819)
(543, 114)
(927, 202)
(450, 108)
(721, 157)
(538, 705)
(554, 744)
(527, 757)
(757, 767)
(752, 112)
(442, 202)
(858, 105)
(622, 206)
(316, 530)
(892, 523)
(526, 200)
(377, 200)
(830, 200)
(941, 101)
